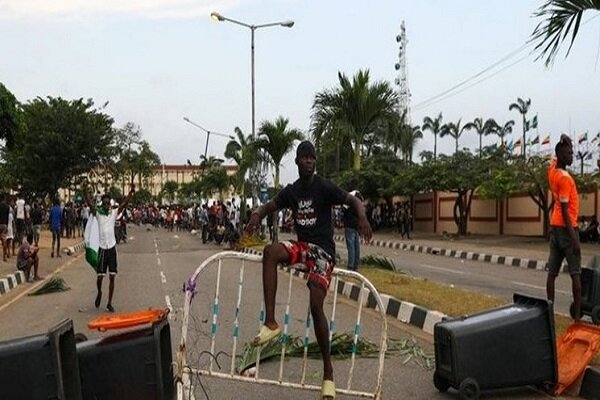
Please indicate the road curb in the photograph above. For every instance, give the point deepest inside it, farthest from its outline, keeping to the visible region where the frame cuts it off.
(464, 255)
(404, 311)
(16, 278)
(11, 281)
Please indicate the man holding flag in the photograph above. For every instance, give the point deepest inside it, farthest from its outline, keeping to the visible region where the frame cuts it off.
(105, 218)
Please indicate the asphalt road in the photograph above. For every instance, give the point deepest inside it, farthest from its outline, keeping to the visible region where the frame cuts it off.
(152, 268)
(493, 279)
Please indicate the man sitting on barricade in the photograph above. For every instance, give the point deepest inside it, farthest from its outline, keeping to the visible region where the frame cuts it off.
(311, 198)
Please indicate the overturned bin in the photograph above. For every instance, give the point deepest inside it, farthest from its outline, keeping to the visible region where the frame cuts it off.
(590, 291)
(508, 346)
(41, 367)
(130, 365)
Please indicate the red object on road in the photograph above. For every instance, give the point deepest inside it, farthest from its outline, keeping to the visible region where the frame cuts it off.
(127, 320)
(575, 349)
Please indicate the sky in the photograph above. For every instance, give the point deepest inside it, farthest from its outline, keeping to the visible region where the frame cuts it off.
(158, 61)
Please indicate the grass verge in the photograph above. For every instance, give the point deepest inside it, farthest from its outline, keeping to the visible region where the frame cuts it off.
(444, 298)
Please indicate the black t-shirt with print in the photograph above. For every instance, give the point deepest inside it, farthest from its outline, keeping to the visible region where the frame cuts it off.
(311, 207)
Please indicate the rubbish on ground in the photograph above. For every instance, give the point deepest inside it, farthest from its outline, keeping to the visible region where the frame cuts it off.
(127, 320)
(54, 285)
(341, 348)
(576, 348)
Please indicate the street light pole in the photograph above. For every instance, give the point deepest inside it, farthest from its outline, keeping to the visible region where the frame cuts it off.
(208, 132)
(287, 24)
(252, 29)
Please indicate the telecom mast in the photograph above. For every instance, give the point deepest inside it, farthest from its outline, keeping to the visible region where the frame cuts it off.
(402, 78)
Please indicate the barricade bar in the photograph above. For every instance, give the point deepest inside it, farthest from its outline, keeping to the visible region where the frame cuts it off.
(184, 371)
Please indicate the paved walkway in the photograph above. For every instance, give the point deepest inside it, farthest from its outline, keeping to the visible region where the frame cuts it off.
(9, 276)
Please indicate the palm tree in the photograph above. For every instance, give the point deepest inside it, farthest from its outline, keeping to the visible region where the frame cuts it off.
(243, 152)
(409, 137)
(169, 190)
(522, 106)
(355, 107)
(453, 130)
(435, 126)
(481, 128)
(560, 18)
(210, 162)
(393, 131)
(276, 140)
(503, 130)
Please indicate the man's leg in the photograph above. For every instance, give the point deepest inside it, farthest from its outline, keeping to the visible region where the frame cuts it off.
(58, 245)
(317, 297)
(36, 265)
(550, 286)
(99, 288)
(348, 234)
(53, 242)
(4, 249)
(111, 290)
(27, 270)
(272, 255)
(576, 285)
(356, 250)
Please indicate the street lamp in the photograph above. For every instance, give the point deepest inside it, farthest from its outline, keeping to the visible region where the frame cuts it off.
(208, 133)
(287, 24)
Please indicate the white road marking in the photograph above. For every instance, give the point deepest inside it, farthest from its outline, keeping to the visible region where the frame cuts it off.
(163, 277)
(452, 271)
(158, 261)
(543, 288)
(42, 282)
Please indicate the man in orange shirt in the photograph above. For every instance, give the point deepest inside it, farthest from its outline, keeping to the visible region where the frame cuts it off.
(564, 241)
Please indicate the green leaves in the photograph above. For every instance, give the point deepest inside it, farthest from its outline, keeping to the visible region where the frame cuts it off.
(275, 139)
(10, 116)
(61, 140)
(354, 109)
(560, 18)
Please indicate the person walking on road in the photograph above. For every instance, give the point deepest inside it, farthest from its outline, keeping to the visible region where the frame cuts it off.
(56, 222)
(350, 219)
(564, 241)
(107, 252)
(311, 198)
(36, 222)
(4, 213)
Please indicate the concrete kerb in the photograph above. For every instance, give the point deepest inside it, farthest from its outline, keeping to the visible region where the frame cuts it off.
(16, 278)
(401, 310)
(465, 255)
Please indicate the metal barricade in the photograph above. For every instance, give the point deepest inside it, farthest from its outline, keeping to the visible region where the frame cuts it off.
(185, 371)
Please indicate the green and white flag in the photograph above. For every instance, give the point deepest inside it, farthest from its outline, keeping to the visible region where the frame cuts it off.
(91, 237)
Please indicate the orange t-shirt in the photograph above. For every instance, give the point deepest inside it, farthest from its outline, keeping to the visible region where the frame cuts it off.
(562, 186)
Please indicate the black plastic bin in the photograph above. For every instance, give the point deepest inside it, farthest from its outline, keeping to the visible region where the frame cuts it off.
(131, 365)
(41, 367)
(508, 346)
(590, 290)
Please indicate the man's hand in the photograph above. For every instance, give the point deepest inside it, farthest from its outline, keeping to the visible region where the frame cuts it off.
(253, 223)
(365, 229)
